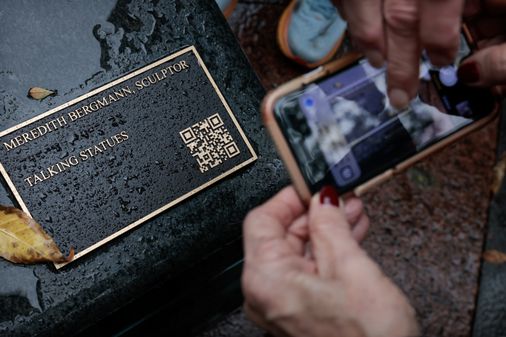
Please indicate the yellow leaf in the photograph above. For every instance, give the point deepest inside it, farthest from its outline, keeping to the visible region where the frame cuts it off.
(494, 256)
(22, 239)
(40, 93)
(499, 170)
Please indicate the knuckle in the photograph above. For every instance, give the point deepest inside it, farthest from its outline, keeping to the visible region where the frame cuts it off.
(320, 227)
(497, 61)
(353, 207)
(401, 72)
(369, 37)
(324, 231)
(402, 16)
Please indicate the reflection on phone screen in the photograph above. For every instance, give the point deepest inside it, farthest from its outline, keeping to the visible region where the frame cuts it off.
(343, 129)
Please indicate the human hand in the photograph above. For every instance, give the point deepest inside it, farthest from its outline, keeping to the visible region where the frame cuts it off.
(335, 289)
(397, 31)
(486, 67)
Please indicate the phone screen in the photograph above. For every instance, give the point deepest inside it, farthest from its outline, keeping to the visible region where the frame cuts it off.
(342, 129)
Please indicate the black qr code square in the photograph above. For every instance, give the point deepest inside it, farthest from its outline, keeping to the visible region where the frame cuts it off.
(209, 142)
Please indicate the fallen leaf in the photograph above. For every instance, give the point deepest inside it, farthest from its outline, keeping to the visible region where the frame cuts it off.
(499, 170)
(41, 93)
(22, 239)
(494, 256)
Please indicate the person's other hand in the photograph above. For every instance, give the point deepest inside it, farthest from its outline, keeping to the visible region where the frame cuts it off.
(332, 288)
(397, 31)
(487, 67)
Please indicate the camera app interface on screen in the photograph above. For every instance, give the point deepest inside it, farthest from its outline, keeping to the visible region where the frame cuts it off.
(343, 129)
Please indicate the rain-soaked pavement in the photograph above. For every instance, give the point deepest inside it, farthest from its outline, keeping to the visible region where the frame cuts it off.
(428, 224)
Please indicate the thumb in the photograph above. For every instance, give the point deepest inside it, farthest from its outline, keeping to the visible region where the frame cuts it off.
(330, 234)
(487, 67)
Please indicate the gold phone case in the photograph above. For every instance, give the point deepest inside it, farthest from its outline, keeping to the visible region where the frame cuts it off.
(283, 148)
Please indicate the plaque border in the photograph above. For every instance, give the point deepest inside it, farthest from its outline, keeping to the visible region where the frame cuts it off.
(104, 87)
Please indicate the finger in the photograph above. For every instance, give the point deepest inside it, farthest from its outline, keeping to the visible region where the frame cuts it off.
(403, 50)
(365, 25)
(271, 220)
(486, 67)
(359, 221)
(353, 209)
(299, 227)
(361, 228)
(330, 236)
(494, 41)
(298, 235)
(440, 29)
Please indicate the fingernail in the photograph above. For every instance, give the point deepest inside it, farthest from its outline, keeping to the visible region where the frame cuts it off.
(399, 98)
(329, 196)
(375, 58)
(469, 72)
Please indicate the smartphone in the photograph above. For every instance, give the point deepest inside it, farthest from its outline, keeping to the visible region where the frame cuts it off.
(336, 126)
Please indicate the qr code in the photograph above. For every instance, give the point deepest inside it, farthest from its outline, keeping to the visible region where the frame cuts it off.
(209, 142)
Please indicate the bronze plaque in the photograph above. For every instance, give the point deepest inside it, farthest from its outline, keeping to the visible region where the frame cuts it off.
(104, 163)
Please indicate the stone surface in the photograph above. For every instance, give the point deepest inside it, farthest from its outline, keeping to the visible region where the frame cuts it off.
(490, 317)
(236, 324)
(127, 160)
(64, 48)
(428, 223)
(427, 232)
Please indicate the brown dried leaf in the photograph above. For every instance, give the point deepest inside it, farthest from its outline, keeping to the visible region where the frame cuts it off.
(499, 170)
(494, 256)
(41, 93)
(22, 239)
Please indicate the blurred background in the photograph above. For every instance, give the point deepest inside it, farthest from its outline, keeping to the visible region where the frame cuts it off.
(428, 225)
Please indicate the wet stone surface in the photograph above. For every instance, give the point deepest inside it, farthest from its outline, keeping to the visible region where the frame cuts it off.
(104, 159)
(427, 224)
(98, 41)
